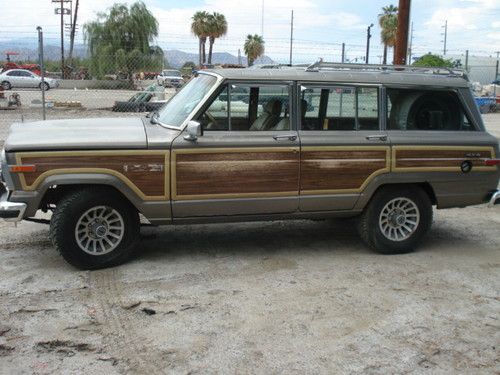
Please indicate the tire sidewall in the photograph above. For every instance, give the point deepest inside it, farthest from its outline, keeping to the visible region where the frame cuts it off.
(381, 242)
(65, 236)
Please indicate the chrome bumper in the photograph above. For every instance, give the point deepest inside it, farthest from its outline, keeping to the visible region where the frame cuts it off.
(495, 199)
(11, 211)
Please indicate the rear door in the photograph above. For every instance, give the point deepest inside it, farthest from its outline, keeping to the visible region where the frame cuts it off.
(343, 146)
(243, 164)
(437, 136)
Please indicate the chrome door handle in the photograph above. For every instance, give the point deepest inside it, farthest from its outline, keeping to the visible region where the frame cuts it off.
(379, 137)
(290, 137)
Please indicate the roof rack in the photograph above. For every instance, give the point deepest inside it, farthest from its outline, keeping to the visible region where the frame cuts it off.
(322, 66)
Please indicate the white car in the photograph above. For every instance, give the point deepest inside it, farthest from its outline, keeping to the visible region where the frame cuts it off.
(170, 78)
(24, 78)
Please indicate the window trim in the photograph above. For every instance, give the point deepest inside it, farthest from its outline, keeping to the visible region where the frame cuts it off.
(466, 109)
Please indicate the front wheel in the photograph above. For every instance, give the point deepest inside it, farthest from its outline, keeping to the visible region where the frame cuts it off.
(396, 219)
(94, 228)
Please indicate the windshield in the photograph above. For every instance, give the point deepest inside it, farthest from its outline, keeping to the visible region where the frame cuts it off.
(172, 73)
(182, 104)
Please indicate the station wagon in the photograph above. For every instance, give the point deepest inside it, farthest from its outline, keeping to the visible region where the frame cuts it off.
(384, 144)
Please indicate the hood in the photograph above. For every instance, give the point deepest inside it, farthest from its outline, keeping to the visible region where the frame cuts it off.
(89, 133)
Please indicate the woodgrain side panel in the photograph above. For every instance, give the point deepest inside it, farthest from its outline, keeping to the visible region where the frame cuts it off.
(340, 170)
(145, 172)
(440, 158)
(239, 173)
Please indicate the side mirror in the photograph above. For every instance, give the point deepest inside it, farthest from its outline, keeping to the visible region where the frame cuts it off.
(194, 130)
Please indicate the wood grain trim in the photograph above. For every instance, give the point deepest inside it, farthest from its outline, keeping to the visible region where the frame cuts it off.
(291, 155)
(416, 158)
(355, 157)
(33, 185)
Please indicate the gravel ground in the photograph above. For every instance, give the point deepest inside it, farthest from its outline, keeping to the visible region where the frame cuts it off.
(280, 297)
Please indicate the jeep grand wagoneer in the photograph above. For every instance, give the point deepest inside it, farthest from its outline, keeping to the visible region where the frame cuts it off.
(382, 143)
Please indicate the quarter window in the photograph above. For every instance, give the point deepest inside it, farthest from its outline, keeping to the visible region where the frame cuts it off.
(339, 108)
(425, 110)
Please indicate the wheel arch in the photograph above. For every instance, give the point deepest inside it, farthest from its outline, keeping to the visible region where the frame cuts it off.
(370, 191)
(56, 186)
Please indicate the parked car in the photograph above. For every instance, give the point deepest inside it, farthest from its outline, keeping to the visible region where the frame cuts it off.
(170, 78)
(17, 78)
(352, 142)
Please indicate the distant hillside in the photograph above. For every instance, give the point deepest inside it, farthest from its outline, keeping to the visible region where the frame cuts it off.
(28, 50)
(177, 58)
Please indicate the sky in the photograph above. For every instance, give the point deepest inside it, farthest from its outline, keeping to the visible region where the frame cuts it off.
(320, 26)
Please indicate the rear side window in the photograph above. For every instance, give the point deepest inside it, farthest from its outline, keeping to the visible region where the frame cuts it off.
(425, 110)
(339, 108)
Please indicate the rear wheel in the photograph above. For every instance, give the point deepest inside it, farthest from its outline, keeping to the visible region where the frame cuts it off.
(6, 85)
(44, 84)
(94, 228)
(396, 219)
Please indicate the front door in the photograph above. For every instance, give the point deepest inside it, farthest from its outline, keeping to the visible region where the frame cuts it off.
(343, 146)
(247, 160)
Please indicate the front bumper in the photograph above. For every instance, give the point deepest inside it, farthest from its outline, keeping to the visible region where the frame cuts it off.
(495, 198)
(11, 211)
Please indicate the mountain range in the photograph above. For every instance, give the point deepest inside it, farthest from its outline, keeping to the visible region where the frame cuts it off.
(28, 51)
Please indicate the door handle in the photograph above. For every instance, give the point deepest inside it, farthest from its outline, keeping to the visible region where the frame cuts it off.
(379, 137)
(290, 137)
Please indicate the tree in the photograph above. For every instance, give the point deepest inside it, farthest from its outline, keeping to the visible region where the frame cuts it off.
(430, 60)
(217, 27)
(121, 40)
(199, 27)
(388, 21)
(254, 47)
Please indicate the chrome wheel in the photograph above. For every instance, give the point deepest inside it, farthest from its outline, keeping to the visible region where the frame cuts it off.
(99, 230)
(399, 219)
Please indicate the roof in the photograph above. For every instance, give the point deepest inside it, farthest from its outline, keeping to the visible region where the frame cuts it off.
(344, 76)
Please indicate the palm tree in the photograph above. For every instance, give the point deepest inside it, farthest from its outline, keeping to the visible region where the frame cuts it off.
(388, 21)
(199, 27)
(254, 47)
(217, 27)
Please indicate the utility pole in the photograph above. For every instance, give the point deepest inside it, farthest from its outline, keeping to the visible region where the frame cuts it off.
(291, 39)
(411, 44)
(262, 21)
(402, 32)
(73, 31)
(467, 60)
(239, 56)
(343, 53)
(368, 37)
(62, 39)
(445, 36)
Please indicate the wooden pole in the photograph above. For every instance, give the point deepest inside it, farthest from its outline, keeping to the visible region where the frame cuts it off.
(402, 32)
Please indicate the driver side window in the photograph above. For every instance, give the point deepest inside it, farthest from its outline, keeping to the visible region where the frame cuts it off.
(244, 107)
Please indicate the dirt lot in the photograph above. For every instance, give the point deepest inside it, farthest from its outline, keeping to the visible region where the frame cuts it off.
(280, 297)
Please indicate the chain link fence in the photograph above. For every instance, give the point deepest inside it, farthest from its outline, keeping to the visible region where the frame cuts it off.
(118, 86)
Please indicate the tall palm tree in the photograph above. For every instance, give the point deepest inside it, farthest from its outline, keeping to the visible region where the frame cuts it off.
(388, 21)
(199, 27)
(254, 47)
(217, 27)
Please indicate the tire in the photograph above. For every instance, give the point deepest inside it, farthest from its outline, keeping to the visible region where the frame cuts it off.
(6, 85)
(70, 216)
(396, 219)
(47, 86)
